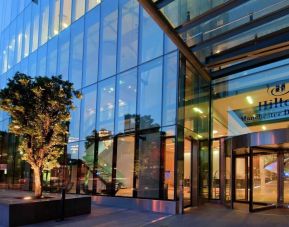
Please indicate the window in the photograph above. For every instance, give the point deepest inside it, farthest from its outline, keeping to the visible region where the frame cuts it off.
(26, 38)
(66, 14)
(91, 46)
(128, 34)
(88, 111)
(52, 57)
(35, 27)
(170, 89)
(151, 45)
(54, 17)
(41, 61)
(19, 37)
(126, 101)
(44, 17)
(78, 9)
(74, 121)
(76, 54)
(150, 94)
(63, 54)
(92, 3)
(32, 64)
(105, 110)
(108, 39)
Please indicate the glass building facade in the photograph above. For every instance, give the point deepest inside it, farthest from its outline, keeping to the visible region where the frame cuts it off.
(174, 104)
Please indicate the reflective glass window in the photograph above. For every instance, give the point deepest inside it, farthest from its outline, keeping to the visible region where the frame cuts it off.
(169, 168)
(54, 17)
(74, 121)
(27, 26)
(35, 26)
(66, 14)
(126, 101)
(63, 54)
(41, 60)
(88, 111)
(12, 43)
(108, 38)
(92, 3)
(91, 46)
(52, 57)
(150, 94)
(148, 169)
(76, 53)
(19, 37)
(170, 89)
(105, 109)
(32, 63)
(72, 159)
(151, 45)
(128, 34)
(78, 9)
(44, 18)
(125, 166)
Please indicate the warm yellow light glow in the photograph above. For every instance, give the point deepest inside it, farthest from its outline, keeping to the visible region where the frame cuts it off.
(64, 25)
(264, 127)
(27, 197)
(249, 100)
(199, 136)
(215, 131)
(198, 110)
(55, 32)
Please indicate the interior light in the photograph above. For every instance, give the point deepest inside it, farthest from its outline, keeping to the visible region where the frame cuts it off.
(264, 127)
(249, 100)
(27, 197)
(199, 136)
(215, 131)
(198, 110)
(55, 32)
(64, 25)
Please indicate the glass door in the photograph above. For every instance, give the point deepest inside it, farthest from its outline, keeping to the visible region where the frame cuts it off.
(286, 179)
(187, 172)
(241, 179)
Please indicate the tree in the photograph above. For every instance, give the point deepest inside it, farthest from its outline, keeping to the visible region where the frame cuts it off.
(40, 112)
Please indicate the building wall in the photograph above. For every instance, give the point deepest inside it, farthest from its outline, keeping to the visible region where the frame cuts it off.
(122, 133)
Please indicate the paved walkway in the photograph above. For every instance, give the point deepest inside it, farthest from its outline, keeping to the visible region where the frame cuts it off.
(207, 215)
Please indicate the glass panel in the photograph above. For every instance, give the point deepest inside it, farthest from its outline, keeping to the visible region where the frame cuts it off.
(204, 169)
(91, 46)
(44, 17)
(240, 179)
(12, 43)
(125, 166)
(35, 26)
(76, 54)
(215, 162)
(52, 57)
(72, 159)
(151, 38)
(41, 60)
(128, 39)
(66, 14)
(286, 178)
(187, 172)
(105, 109)
(19, 38)
(86, 156)
(108, 38)
(150, 94)
(32, 64)
(74, 121)
(148, 173)
(169, 168)
(92, 3)
(264, 180)
(27, 16)
(88, 112)
(54, 18)
(126, 101)
(78, 9)
(63, 54)
(104, 167)
(170, 89)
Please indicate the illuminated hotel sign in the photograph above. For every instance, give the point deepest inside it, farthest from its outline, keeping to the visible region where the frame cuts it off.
(269, 111)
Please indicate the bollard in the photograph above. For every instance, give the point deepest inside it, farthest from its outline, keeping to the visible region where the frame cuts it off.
(181, 197)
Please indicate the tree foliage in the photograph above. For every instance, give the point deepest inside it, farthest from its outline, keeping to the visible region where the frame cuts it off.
(40, 112)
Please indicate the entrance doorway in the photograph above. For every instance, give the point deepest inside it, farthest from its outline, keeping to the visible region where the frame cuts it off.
(261, 176)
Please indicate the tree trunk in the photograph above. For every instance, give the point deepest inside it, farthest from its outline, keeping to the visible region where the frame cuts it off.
(37, 183)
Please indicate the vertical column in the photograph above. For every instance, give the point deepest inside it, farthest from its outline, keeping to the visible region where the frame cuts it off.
(251, 180)
(280, 174)
(195, 173)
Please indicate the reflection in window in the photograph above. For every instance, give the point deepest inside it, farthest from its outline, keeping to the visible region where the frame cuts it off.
(44, 17)
(74, 121)
(52, 57)
(150, 94)
(19, 38)
(86, 155)
(41, 61)
(128, 39)
(54, 18)
(148, 173)
(75, 67)
(63, 54)
(105, 110)
(27, 16)
(92, 3)
(78, 9)
(125, 166)
(12, 43)
(126, 101)
(104, 167)
(88, 110)
(215, 162)
(35, 26)
(169, 168)
(151, 38)
(72, 163)
(91, 45)
(170, 89)
(108, 39)
(66, 14)
(32, 64)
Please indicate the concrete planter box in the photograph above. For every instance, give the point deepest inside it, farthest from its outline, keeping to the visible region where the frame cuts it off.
(15, 212)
